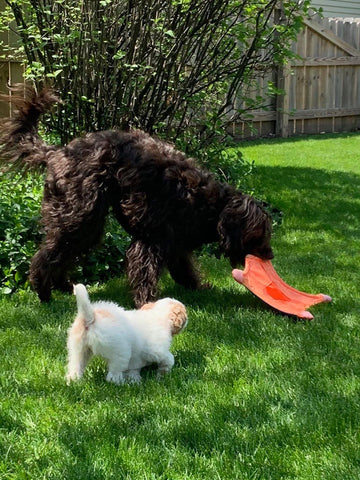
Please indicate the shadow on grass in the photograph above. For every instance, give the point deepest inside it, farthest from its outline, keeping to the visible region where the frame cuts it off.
(321, 217)
(317, 199)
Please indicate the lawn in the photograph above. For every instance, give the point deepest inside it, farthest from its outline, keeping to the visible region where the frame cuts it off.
(253, 394)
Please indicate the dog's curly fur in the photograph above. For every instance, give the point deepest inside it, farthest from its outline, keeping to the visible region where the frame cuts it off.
(162, 199)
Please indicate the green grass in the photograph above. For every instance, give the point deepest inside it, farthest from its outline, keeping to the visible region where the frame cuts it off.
(253, 394)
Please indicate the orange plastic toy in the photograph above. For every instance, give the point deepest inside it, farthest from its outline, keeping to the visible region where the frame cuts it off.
(260, 277)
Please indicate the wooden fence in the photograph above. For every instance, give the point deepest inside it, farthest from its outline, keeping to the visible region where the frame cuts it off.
(11, 70)
(322, 89)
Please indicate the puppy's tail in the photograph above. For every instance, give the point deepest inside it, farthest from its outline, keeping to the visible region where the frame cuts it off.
(21, 148)
(85, 310)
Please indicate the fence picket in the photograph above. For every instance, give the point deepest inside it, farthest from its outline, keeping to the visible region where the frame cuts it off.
(324, 86)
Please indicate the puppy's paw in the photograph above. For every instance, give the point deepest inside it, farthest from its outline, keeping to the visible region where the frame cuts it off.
(133, 377)
(161, 372)
(115, 377)
(72, 377)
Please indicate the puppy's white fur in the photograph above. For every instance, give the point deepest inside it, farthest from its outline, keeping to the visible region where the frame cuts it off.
(128, 340)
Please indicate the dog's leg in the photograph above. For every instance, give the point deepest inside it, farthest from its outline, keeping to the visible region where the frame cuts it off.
(184, 271)
(115, 377)
(61, 247)
(40, 275)
(116, 371)
(78, 357)
(165, 364)
(144, 266)
(118, 363)
(62, 283)
(49, 268)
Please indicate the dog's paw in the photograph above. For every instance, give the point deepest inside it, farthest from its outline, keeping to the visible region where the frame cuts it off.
(133, 377)
(72, 377)
(115, 377)
(161, 372)
(65, 287)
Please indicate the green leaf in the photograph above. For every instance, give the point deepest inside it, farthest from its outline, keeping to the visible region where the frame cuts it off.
(170, 33)
(6, 291)
(119, 55)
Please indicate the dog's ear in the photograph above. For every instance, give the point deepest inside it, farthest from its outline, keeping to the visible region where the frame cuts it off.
(244, 228)
(178, 317)
(230, 230)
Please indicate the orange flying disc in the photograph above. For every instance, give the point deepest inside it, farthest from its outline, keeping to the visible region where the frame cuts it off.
(260, 277)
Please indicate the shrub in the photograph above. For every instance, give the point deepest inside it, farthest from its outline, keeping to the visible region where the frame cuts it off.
(177, 68)
(107, 260)
(20, 233)
(19, 228)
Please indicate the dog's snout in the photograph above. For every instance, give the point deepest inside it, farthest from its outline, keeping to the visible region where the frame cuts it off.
(265, 254)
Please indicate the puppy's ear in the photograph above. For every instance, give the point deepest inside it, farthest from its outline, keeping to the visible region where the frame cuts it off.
(148, 306)
(178, 317)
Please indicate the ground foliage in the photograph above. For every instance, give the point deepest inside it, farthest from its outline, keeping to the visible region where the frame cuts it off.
(21, 233)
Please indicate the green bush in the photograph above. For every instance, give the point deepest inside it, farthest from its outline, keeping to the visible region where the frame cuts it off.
(19, 228)
(107, 260)
(20, 234)
(229, 165)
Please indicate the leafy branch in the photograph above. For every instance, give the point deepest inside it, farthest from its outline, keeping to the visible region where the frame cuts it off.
(174, 67)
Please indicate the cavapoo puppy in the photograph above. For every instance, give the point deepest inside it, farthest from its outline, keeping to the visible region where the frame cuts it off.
(127, 339)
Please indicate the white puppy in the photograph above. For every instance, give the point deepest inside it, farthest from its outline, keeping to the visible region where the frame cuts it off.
(128, 340)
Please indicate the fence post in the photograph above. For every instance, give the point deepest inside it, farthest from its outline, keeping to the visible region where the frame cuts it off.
(282, 80)
(282, 100)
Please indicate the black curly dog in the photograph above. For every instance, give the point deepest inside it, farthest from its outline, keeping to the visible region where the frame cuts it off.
(165, 202)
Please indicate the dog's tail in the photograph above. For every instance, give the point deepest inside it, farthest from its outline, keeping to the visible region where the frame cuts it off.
(85, 310)
(21, 148)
